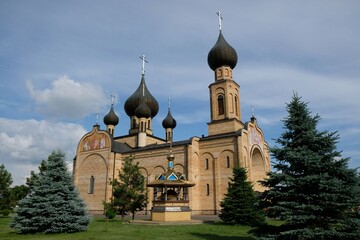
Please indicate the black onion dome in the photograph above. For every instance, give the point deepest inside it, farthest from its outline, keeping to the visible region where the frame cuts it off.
(111, 118)
(133, 101)
(169, 121)
(222, 54)
(142, 111)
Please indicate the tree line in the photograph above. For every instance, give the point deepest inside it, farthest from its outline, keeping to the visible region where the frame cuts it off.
(311, 190)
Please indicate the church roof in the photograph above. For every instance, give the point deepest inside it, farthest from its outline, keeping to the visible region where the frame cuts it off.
(119, 147)
(222, 54)
(133, 101)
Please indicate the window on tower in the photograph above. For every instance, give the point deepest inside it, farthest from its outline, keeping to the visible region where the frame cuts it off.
(206, 164)
(220, 100)
(236, 106)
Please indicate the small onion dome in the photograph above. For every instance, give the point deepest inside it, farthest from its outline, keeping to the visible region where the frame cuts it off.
(169, 121)
(111, 118)
(222, 54)
(132, 102)
(142, 111)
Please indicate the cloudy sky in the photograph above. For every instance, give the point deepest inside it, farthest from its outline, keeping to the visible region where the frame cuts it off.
(61, 60)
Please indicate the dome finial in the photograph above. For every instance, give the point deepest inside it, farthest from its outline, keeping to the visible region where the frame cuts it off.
(143, 58)
(97, 118)
(220, 19)
(112, 98)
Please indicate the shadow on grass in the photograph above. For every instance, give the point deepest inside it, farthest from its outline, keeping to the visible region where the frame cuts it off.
(216, 237)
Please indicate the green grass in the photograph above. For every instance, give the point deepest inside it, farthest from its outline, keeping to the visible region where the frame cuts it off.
(101, 229)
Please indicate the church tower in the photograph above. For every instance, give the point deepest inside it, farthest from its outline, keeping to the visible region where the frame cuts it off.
(224, 92)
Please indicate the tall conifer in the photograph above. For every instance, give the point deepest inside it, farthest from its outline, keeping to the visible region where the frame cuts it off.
(240, 204)
(53, 204)
(312, 188)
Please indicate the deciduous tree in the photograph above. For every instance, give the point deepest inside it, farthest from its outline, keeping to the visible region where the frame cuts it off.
(129, 189)
(5, 194)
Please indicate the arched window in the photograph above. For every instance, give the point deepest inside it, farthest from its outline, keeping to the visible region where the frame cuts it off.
(206, 164)
(134, 123)
(149, 124)
(236, 106)
(142, 127)
(227, 161)
(232, 103)
(207, 189)
(220, 100)
(91, 185)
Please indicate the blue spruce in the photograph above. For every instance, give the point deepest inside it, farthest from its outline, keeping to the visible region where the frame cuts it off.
(53, 204)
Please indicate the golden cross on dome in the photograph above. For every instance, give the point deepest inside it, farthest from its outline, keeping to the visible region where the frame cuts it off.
(220, 19)
(143, 58)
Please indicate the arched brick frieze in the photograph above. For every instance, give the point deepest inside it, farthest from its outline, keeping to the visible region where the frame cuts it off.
(179, 168)
(156, 172)
(92, 181)
(226, 165)
(258, 167)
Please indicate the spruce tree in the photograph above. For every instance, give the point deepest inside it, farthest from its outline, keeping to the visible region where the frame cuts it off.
(240, 204)
(312, 189)
(129, 189)
(53, 204)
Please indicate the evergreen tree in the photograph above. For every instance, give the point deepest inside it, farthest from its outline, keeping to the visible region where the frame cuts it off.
(17, 193)
(5, 193)
(53, 204)
(240, 204)
(312, 189)
(34, 176)
(129, 189)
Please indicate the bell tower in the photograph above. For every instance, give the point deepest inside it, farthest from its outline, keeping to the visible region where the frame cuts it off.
(224, 92)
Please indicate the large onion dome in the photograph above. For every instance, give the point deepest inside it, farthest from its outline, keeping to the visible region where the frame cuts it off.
(142, 111)
(111, 118)
(133, 101)
(169, 121)
(222, 54)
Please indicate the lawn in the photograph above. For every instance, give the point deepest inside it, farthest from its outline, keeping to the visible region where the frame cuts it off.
(100, 229)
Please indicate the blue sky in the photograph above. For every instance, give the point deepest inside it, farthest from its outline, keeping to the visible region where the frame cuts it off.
(61, 60)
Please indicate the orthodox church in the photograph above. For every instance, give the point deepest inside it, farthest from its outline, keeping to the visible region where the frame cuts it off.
(206, 161)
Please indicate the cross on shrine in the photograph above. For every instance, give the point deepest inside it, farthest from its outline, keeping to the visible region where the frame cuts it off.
(97, 119)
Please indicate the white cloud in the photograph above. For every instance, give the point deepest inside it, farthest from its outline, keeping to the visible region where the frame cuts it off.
(27, 142)
(68, 99)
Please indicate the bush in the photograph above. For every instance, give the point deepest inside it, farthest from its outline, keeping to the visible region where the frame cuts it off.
(5, 212)
(109, 210)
